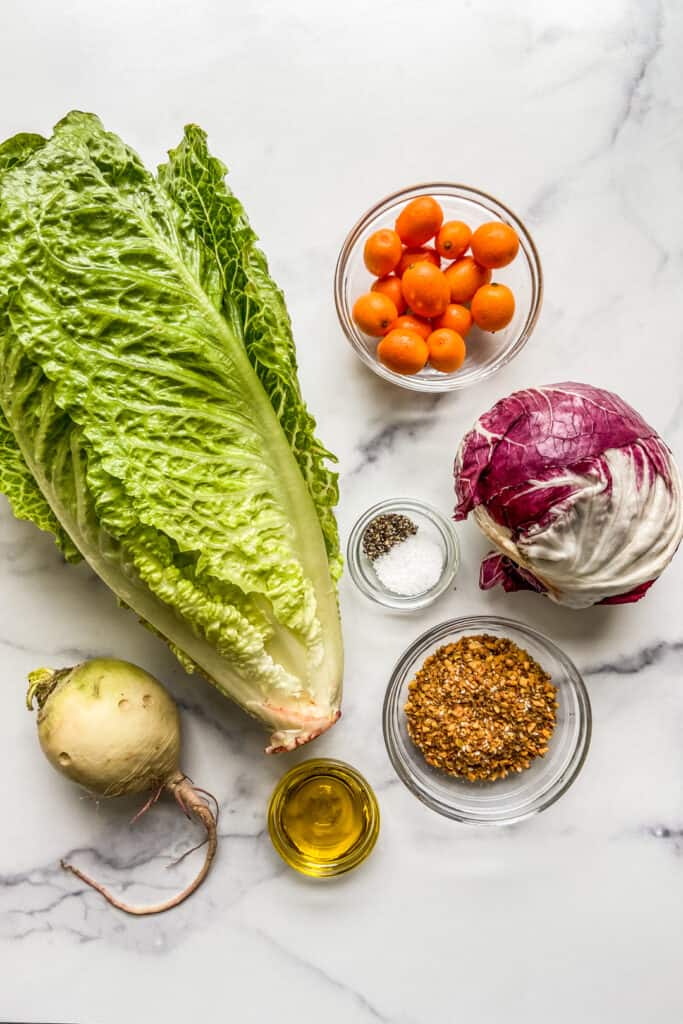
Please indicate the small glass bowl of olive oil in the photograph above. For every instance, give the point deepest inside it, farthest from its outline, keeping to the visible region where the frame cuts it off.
(323, 818)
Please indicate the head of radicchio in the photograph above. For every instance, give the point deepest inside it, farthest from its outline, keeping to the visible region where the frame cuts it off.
(580, 497)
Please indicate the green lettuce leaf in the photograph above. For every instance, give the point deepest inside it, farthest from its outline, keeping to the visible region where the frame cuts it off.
(126, 383)
(195, 180)
(25, 497)
(16, 480)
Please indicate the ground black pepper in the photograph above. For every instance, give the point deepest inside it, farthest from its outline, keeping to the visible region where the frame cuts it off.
(384, 532)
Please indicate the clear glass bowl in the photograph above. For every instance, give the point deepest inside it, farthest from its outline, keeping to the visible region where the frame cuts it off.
(520, 795)
(486, 353)
(430, 523)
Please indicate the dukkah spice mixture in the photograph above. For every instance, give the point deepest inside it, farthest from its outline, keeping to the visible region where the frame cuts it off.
(481, 708)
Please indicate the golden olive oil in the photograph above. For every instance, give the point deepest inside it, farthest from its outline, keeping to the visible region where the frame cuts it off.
(323, 818)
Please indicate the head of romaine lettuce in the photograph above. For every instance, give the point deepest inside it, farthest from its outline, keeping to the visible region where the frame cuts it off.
(152, 418)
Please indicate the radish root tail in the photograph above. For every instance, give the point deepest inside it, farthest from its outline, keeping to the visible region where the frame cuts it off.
(145, 807)
(190, 801)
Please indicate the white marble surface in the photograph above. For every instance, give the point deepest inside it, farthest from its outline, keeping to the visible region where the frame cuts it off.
(571, 113)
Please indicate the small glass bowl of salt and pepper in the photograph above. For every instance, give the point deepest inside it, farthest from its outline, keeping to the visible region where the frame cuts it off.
(403, 554)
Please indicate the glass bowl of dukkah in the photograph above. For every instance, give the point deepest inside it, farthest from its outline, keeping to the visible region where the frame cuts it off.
(486, 352)
(486, 721)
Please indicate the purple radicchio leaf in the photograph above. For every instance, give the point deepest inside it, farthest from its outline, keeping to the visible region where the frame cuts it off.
(499, 569)
(632, 596)
(513, 459)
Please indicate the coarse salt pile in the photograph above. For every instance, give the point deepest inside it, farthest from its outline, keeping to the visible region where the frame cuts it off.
(411, 567)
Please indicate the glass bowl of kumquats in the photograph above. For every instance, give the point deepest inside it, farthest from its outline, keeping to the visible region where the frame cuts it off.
(438, 286)
(486, 721)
